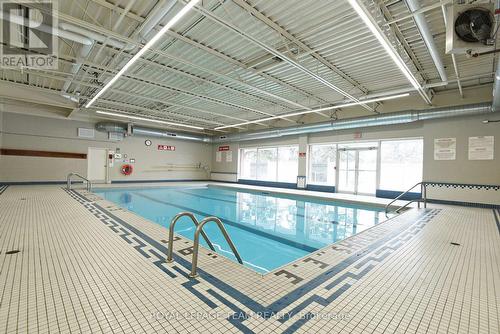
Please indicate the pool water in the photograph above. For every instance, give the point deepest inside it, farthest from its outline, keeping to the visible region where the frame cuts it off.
(269, 230)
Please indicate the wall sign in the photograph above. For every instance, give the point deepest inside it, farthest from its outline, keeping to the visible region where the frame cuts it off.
(229, 156)
(218, 156)
(224, 148)
(481, 148)
(166, 148)
(445, 148)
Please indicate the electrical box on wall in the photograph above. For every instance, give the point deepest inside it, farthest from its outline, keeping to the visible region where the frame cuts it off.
(111, 158)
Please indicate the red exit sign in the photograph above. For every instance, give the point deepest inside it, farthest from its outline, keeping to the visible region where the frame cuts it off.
(224, 148)
(166, 148)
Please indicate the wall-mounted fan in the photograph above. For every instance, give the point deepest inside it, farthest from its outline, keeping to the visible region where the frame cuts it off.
(470, 28)
(474, 25)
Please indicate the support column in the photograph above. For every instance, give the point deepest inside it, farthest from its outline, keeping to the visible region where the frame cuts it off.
(303, 152)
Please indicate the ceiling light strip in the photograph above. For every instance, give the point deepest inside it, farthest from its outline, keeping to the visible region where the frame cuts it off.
(344, 105)
(147, 119)
(382, 39)
(146, 47)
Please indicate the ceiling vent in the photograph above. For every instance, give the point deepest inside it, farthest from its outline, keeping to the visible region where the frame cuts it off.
(470, 28)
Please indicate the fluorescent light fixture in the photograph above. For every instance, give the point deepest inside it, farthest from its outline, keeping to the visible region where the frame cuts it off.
(146, 47)
(147, 119)
(344, 105)
(379, 34)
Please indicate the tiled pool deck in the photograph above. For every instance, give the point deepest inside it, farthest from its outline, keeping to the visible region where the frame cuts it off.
(85, 265)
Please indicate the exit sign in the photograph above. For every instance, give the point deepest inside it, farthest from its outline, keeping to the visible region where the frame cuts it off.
(166, 148)
(223, 148)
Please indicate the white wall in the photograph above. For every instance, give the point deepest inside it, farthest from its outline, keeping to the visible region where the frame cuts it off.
(60, 135)
(460, 170)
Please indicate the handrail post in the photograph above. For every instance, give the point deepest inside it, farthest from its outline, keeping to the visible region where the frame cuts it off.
(170, 250)
(424, 185)
(196, 246)
(421, 194)
(68, 181)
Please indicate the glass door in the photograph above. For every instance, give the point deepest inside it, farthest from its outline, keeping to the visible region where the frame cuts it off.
(358, 170)
(367, 172)
(347, 171)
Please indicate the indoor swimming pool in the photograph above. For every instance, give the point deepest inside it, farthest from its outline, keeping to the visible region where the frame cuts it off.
(269, 230)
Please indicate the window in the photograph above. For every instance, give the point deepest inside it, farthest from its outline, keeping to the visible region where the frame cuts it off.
(272, 164)
(322, 163)
(288, 164)
(267, 161)
(248, 164)
(401, 164)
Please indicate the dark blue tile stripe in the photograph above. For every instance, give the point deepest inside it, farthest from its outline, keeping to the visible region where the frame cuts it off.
(189, 285)
(268, 184)
(35, 183)
(3, 188)
(186, 264)
(467, 204)
(325, 189)
(299, 323)
(239, 314)
(319, 300)
(286, 300)
(158, 181)
(335, 270)
(393, 194)
(495, 187)
(285, 241)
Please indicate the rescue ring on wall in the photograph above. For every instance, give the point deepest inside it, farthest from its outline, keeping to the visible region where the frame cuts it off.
(127, 169)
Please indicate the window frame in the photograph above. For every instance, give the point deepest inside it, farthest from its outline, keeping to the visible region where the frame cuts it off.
(264, 147)
(379, 172)
(309, 162)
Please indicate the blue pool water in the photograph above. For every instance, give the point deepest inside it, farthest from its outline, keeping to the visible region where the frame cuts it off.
(269, 230)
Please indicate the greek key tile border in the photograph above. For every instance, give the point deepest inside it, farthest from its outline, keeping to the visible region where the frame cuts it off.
(361, 256)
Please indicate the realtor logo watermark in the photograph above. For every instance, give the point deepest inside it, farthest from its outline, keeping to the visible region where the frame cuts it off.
(28, 36)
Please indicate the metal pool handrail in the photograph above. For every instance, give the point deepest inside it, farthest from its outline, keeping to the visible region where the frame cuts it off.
(171, 234)
(196, 246)
(70, 175)
(423, 191)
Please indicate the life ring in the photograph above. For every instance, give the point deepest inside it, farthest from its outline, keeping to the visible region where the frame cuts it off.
(127, 169)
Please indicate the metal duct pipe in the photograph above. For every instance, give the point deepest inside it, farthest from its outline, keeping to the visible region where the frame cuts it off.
(96, 36)
(159, 12)
(403, 117)
(496, 85)
(67, 31)
(49, 30)
(423, 27)
(149, 132)
(111, 127)
(362, 122)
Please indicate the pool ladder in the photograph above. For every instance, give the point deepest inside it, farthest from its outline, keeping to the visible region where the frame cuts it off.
(196, 245)
(423, 195)
(70, 176)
